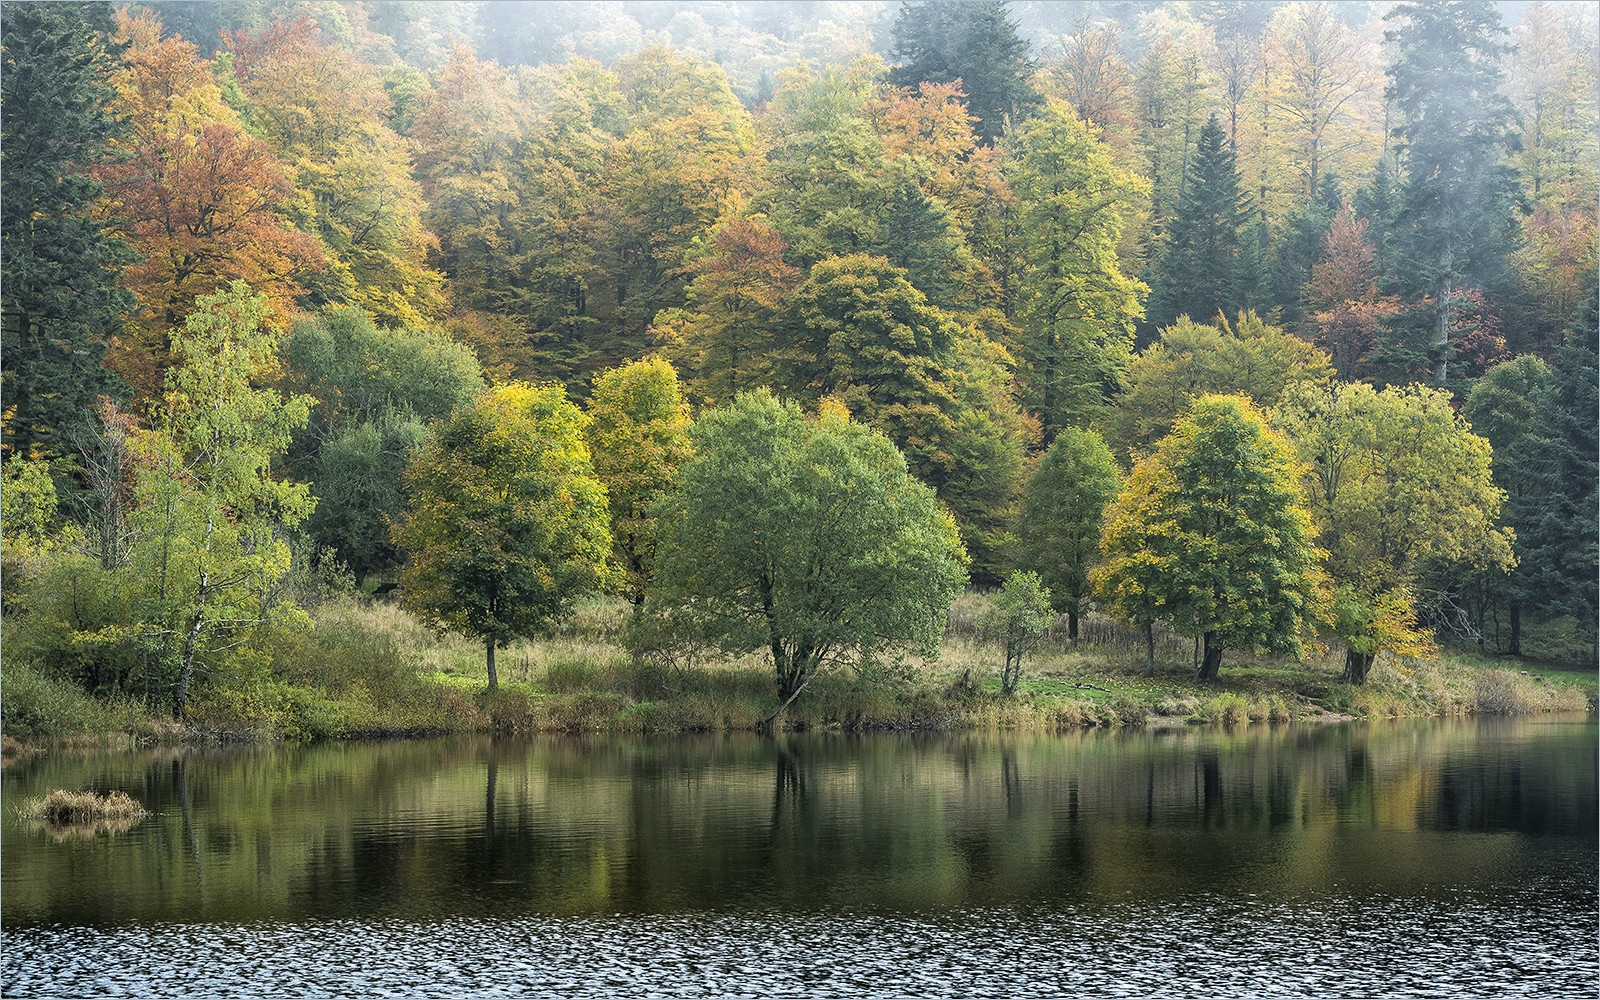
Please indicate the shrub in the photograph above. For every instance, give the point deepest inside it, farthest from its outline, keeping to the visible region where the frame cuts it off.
(78, 619)
(1070, 715)
(509, 711)
(38, 706)
(1184, 706)
(1560, 640)
(1499, 692)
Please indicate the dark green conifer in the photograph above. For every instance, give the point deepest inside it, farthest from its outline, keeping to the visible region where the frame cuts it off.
(1199, 274)
(61, 302)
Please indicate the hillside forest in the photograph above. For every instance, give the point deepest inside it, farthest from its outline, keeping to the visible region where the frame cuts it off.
(1263, 324)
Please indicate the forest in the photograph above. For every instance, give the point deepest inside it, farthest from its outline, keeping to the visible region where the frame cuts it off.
(1269, 327)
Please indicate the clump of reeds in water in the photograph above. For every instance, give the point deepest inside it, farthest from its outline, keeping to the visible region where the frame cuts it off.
(85, 811)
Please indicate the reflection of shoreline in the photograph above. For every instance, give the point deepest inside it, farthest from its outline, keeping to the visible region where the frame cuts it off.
(87, 829)
(591, 825)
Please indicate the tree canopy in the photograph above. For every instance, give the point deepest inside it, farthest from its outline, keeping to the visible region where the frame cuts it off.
(506, 523)
(1396, 481)
(941, 41)
(1212, 534)
(807, 538)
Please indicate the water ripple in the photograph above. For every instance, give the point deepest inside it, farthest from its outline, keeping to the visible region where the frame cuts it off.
(1203, 947)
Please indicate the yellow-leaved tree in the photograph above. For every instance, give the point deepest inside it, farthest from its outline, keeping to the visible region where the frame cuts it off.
(1397, 482)
(507, 523)
(638, 435)
(1212, 534)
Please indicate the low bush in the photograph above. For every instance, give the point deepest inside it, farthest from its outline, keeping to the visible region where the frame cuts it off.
(40, 707)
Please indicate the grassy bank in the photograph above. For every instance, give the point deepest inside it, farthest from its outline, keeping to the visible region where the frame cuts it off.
(368, 670)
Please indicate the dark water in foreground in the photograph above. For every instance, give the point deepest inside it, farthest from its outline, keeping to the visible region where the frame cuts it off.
(1436, 858)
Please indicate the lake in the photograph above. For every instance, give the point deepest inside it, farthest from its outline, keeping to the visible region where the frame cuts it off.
(1418, 858)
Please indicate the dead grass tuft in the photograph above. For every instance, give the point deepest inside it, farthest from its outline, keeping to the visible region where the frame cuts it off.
(114, 811)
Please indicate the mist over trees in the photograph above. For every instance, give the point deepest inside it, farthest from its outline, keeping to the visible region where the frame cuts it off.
(1015, 252)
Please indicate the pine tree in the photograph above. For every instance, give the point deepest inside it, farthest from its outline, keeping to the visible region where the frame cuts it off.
(61, 298)
(939, 41)
(1201, 265)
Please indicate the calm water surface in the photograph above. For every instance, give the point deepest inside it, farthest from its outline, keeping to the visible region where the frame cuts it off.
(1436, 858)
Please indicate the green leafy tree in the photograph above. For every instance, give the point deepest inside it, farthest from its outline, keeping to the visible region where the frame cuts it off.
(211, 514)
(858, 332)
(1502, 408)
(358, 371)
(1076, 305)
(357, 476)
(1218, 511)
(825, 166)
(921, 237)
(976, 42)
(28, 508)
(60, 298)
(1019, 616)
(638, 437)
(376, 390)
(1397, 482)
(1455, 223)
(1058, 532)
(981, 469)
(1246, 357)
(806, 538)
(507, 522)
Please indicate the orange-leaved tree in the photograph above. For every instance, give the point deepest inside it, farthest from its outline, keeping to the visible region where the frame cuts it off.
(201, 200)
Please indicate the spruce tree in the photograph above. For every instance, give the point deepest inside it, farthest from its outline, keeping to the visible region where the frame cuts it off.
(61, 300)
(1455, 226)
(1558, 527)
(975, 41)
(1200, 271)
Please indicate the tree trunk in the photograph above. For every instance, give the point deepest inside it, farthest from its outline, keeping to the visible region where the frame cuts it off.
(1516, 629)
(1011, 676)
(494, 680)
(1072, 626)
(793, 667)
(1150, 650)
(1441, 336)
(191, 646)
(1356, 666)
(1212, 662)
